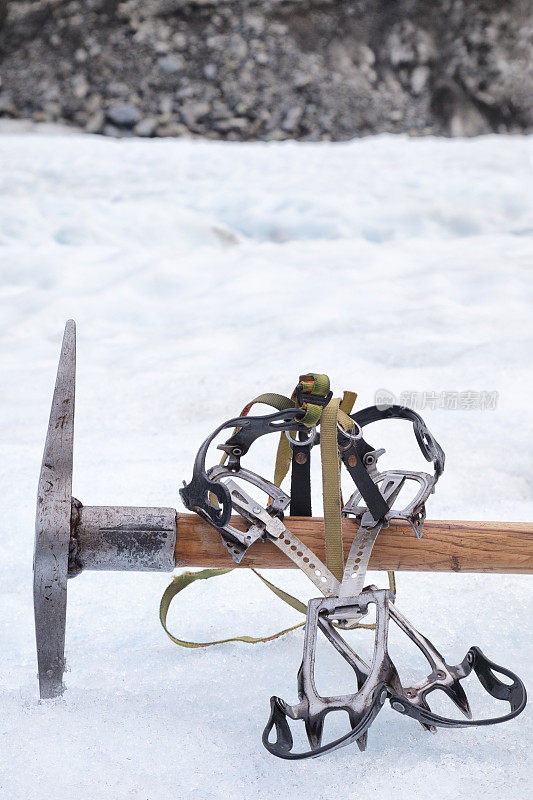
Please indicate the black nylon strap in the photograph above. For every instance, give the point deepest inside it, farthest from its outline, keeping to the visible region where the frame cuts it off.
(301, 481)
(352, 459)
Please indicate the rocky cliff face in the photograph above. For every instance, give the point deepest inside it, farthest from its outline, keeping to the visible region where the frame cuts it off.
(276, 69)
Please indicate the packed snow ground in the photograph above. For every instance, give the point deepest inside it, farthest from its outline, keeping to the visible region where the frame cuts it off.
(200, 274)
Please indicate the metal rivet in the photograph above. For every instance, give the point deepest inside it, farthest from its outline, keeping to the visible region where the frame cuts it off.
(300, 458)
(352, 460)
(383, 696)
(398, 707)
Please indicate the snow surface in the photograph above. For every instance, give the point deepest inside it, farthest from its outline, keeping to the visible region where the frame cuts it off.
(200, 274)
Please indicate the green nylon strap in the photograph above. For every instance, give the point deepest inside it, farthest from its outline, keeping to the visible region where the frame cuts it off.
(331, 488)
(180, 582)
(312, 383)
(347, 402)
(283, 460)
(283, 595)
(278, 401)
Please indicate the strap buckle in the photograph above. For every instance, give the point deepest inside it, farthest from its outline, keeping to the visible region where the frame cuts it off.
(302, 398)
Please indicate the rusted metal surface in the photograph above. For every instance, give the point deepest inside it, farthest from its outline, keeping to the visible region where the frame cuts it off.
(126, 538)
(52, 525)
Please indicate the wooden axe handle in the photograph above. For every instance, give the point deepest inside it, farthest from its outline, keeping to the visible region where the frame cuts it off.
(446, 546)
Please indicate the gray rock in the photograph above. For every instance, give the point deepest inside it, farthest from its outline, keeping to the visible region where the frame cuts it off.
(292, 118)
(51, 92)
(171, 129)
(80, 86)
(93, 103)
(278, 135)
(301, 79)
(123, 115)
(419, 79)
(192, 112)
(170, 64)
(146, 127)
(96, 122)
(111, 130)
(238, 47)
(179, 40)
(220, 111)
(210, 71)
(233, 124)
(256, 67)
(118, 89)
(166, 105)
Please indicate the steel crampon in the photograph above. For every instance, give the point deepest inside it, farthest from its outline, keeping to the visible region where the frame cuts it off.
(312, 417)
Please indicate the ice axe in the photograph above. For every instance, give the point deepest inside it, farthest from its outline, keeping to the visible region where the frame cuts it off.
(70, 537)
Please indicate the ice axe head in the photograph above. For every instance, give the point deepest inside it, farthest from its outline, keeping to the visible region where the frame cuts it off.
(52, 525)
(70, 537)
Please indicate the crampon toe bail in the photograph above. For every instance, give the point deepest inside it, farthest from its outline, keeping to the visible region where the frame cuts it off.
(282, 747)
(514, 694)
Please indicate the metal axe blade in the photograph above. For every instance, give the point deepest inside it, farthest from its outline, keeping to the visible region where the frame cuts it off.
(52, 525)
(71, 537)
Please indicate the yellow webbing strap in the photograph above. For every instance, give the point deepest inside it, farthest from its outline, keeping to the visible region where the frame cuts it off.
(317, 384)
(278, 401)
(312, 383)
(283, 595)
(331, 488)
(180, 582)
(347, 402)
